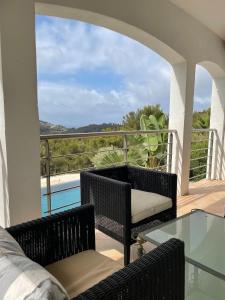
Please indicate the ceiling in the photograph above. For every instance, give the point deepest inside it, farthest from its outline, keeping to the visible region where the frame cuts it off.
(209, 12)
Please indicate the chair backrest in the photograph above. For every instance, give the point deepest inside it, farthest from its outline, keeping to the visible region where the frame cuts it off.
(119, 173)
(58, 236)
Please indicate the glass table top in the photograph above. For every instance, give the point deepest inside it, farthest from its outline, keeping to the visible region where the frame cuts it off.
(204, 238)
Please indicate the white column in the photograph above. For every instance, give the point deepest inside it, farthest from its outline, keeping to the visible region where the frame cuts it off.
(217, 121)
(19, 124)
(180, 119)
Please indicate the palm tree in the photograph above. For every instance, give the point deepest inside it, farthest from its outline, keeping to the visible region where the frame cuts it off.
(144, 150)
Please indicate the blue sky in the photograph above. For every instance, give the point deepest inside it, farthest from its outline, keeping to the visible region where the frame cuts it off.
(89, 74)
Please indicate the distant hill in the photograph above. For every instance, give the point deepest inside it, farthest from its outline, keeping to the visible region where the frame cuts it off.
(48, 128)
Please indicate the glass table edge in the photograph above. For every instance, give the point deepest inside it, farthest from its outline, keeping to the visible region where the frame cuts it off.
(142, 235)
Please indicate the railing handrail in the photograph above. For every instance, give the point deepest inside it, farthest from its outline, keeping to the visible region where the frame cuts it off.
(203, 129)
(102, 133)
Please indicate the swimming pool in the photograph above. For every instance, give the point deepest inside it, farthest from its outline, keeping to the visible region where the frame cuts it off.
(69, 198)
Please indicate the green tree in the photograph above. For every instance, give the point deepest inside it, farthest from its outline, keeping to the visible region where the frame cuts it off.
(154, 144)
(144, 150)
(201, 119)
(131, 121)
(109, 156)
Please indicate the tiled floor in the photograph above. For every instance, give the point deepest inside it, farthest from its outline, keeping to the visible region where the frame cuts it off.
(207, 195)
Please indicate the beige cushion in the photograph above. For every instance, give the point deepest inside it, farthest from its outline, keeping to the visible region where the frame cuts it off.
(81, 271)
(145, 204)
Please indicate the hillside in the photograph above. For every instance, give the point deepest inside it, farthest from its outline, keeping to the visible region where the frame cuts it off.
(48, 128)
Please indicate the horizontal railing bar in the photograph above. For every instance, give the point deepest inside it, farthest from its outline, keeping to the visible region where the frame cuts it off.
(70, 172)
(62, 190)
(82, 153)
(194, 150)
(197, 176)
(54, 209)
(95, 152)
(86, 169)
(198, 167)
(192, 159)
(202, 130)
(198, 141)
(102, 133)
(138, 146)
(158, 167)
(83, 169)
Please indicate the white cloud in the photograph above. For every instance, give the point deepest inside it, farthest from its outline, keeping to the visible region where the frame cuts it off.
(77, 106)
(201, 100)
(65, 47)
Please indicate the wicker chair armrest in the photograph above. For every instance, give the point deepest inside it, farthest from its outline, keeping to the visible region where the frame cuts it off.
(58, 236)
(112, 198)
(157, 275)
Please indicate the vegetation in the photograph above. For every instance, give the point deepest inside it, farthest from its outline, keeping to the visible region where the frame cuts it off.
(201, 119)
(131, 121)
(144, 150)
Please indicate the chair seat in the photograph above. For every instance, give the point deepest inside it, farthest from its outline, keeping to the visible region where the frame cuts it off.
(81, 271)
(145, 204)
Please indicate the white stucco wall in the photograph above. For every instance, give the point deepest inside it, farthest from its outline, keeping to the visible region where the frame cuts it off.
(19, 125)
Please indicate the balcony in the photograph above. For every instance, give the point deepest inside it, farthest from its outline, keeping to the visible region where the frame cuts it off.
(185, 34)
(204, 193)
(203, 45)
(120, 148)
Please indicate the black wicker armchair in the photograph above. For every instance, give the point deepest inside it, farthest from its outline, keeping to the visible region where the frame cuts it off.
(157, 275)
(110, 190)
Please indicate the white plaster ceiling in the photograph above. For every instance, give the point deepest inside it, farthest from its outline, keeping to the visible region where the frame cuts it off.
(209, 12)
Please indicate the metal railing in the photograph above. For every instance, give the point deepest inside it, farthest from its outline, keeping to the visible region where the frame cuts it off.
(201, 154)
(122, 147)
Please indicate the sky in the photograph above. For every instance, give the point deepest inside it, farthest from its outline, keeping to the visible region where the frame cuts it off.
(89, 74)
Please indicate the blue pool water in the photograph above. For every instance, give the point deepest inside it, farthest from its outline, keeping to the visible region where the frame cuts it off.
(69, 198)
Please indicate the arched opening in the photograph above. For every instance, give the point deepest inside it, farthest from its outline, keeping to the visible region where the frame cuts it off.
(93, 79)
(201, 136)
(208, 123)
(217, 120)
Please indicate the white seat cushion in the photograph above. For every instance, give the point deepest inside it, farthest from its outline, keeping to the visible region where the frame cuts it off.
(81, 271)
(145, 204)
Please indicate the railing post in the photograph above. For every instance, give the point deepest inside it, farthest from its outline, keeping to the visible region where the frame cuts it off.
(125, 149)
(169, 152)
(48, 176)
(210, 155)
